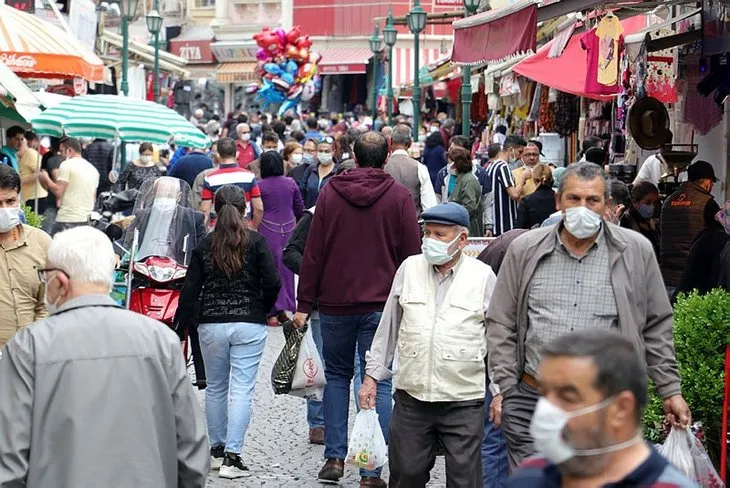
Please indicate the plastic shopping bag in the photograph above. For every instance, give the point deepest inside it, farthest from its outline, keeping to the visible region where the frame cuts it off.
(686, 453)
(367, 447)
(283, 372)
(308, 381)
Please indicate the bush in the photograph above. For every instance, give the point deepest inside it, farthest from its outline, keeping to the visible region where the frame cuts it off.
(34, 220)
(701, 333)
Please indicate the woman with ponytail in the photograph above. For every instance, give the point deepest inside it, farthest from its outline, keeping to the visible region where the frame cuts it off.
(539, 205)
(230, 286)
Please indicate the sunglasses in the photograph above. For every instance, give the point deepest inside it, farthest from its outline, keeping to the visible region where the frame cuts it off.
(327, 140)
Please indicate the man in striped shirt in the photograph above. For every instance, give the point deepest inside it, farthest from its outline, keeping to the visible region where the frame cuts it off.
(505, 191)
(230, 173)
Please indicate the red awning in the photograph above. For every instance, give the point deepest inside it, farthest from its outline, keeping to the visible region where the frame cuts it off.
(494, 36)
(568, 72)
(344, 61)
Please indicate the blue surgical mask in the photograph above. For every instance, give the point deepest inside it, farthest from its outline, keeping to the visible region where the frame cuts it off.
(307, 158)
(437, 252)
(646, 211)
(324, 158)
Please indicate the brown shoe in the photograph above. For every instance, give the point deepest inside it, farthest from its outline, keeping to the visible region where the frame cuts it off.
(332, 471)
(316, 436)
(370, 481)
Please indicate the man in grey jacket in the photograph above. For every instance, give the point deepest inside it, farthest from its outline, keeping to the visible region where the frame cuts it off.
(96, 395)
(579, 274)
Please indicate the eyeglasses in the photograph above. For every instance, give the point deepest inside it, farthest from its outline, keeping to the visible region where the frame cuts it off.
(43, 274)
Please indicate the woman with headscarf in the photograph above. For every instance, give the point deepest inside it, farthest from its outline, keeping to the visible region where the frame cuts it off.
(434, 155)
(283, 205)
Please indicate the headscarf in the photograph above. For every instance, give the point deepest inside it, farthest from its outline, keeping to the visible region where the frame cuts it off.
(723, 216)
(557, 177)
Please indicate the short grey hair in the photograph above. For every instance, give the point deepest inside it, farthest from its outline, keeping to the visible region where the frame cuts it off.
(619, 366)
(85, 254)
(461, 228)
(449, 123)
(401, 135)
(586, 172)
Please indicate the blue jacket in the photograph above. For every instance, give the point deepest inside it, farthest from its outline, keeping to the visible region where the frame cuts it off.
(310, 185)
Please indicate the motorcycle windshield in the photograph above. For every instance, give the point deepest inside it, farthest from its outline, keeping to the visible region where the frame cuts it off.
(167, 227)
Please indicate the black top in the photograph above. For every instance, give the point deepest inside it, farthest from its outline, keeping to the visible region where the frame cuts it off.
(51, 161)
(100, 154)
(535, 208)
(703, 260)
(209, 296)
(294, 250)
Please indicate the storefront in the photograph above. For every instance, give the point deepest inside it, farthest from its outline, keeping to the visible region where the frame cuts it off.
(236, 71)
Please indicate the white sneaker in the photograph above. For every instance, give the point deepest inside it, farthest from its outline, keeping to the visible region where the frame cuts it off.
(233, 467)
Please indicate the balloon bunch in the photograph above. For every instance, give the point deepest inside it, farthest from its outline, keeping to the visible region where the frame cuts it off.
(287, 67)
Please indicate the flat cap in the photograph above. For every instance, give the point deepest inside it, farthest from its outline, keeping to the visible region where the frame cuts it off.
(447, 214)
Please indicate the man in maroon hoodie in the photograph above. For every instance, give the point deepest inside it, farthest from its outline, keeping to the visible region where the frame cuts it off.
(364, 228)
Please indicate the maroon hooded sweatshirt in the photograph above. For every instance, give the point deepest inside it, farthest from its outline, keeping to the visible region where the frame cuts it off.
(364, 227)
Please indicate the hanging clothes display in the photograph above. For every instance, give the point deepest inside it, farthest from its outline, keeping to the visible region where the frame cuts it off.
(603, 46)
(567, 117)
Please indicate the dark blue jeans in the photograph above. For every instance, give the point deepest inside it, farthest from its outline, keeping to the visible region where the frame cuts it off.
(495, 465)
(339, 336)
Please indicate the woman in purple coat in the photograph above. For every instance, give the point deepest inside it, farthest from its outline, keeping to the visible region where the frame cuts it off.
(283, 206)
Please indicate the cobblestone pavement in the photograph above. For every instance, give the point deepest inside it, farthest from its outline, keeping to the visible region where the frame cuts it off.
(277, 450)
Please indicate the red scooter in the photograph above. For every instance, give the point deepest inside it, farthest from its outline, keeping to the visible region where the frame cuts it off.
(158, 293)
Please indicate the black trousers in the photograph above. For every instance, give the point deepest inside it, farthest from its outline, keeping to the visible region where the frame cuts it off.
(416, 428)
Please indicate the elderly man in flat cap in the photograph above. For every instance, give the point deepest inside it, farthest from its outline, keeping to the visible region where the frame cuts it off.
(435, 319)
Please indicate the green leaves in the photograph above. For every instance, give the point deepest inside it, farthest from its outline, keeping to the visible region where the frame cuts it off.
(34, 220)
(701, 333)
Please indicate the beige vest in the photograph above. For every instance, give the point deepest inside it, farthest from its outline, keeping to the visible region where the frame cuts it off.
(404, 170)
(440, 353)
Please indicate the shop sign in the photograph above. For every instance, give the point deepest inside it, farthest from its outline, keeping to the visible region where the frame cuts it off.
(450, 3)
(233, 54)
(342, 69)
(18, 62)
(193, 51)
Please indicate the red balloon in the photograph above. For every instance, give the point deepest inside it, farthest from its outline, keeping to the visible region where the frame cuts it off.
(293, 34)
(303, 42)
(291, 52)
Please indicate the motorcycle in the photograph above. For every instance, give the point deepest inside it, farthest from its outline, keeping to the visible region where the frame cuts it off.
(160, 241)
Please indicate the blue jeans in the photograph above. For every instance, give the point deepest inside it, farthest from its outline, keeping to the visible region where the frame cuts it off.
(495, 466)
(315, 409)
(340, 334)
(231, 353)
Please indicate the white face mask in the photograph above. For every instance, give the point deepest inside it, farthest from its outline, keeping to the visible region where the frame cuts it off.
(547, 426)
(246, 137)
(437, 252)
(324, 159)
(433, 129)
(582, 222)
(296, 159)
(165, 203)
(9, 219)
(145, 159)
(51, 307)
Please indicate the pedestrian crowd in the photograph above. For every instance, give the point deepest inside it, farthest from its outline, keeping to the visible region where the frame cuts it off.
(526, 366)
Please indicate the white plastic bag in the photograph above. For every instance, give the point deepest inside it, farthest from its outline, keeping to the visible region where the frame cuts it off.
(676, 449)
(685, 451)
(308, 381)
(367, 447)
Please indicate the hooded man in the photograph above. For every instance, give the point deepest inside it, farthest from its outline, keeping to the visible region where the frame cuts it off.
(364, 228)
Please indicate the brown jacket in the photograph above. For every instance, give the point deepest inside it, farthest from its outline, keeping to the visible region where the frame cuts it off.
(645, 315)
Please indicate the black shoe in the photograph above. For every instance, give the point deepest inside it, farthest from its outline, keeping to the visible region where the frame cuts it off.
(233, 467)
(217, 454)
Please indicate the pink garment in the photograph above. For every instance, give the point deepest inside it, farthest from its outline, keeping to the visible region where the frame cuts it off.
(591, 44)
(702, 112)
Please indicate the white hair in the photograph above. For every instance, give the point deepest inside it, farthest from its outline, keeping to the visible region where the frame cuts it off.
(85, 254)
(461, 228)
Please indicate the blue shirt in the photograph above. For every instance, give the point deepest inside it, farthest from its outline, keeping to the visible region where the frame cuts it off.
(190, 166)
(9, 156)
(313, 134)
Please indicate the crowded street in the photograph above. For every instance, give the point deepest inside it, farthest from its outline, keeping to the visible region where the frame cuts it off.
(276, 455)
(426, 244)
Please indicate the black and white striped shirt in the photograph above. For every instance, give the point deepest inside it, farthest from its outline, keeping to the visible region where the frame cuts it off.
(505, 209)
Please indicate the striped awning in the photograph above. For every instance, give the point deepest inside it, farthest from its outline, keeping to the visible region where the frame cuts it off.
(236, 73)
(404, 64)
(346, 61)
(168, 62)
(35, 48)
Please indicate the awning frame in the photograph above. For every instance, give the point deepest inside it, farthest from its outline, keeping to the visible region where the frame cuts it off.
(168, 62)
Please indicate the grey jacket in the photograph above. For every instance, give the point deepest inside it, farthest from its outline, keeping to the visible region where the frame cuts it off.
(98, 396)
(645, 315)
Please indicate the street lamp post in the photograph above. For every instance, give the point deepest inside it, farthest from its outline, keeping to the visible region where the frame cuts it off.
(470, 6)
(390, 35)
(128, 9)
(416, 23)
(375, 47)
(154, 25)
